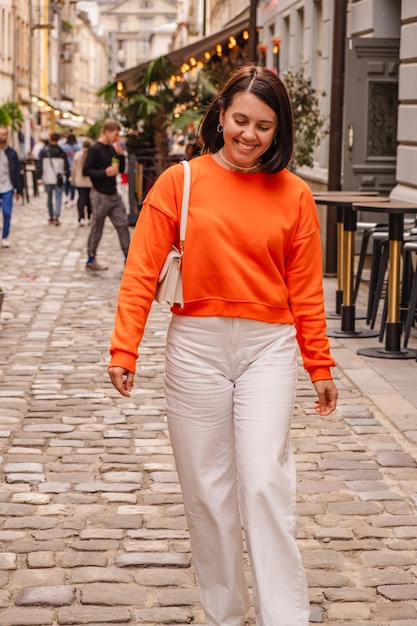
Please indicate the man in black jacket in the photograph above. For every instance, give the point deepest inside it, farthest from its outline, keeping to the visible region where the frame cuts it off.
(105, 159)
(11, 181)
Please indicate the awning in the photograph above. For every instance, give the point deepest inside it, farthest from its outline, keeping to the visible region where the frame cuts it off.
(68, 122)
(63, 108)
(131, 78)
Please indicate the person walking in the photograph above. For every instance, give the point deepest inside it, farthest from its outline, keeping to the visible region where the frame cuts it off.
(11, 182)
(82, 183)
(253, 297)
(104, 161)
(70, 147)
(54, 168)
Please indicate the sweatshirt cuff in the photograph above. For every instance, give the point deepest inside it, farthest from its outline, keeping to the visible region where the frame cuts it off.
(320, 373)
(123, 359)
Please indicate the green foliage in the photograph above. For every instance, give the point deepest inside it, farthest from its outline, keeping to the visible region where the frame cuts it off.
(109, 92)
(94, 131)
(310, 126)
(4, 117)
(11, 114)
(161, 102)
(66, 26)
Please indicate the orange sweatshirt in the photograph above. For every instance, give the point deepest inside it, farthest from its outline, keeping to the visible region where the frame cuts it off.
(252, 250)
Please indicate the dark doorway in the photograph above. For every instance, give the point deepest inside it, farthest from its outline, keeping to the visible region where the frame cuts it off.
(371, 110)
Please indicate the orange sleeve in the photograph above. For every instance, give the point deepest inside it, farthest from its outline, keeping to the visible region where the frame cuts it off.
(155, 232)
(305, 292)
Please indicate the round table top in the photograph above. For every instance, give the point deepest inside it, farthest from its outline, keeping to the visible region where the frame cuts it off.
(391, 206)
(343, 199)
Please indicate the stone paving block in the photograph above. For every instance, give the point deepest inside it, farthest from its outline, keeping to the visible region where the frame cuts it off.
(54, 595)
(322, 578)
(144, 559)
(163, 616)
(146, 546)
(120, 521)
(100, 574)
(347, 594)
(176, 523)
(349, 610)
(395, 459)
(92, 614)
(31, 479)
(398, 592)
(384, 558)
(8, 561)
(178, 597)
(26, 617)
(95, 545)
(83, 559)
(113, 594)
(161, 577)
(41, 559)
(394, 610)
(326, 559)
(354, 508)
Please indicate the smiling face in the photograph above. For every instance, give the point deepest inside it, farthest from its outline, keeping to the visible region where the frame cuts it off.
(249, 128)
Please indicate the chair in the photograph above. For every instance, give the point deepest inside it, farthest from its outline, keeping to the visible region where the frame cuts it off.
(407, 284)
(367, 229)
(409, 248)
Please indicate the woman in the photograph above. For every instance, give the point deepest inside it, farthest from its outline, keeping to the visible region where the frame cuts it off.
(253, 288)
(82, 183)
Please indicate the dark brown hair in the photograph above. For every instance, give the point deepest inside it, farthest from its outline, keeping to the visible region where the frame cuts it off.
(266, 86)
(111, 124)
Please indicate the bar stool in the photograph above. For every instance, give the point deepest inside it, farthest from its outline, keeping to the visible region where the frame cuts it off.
(367, 229)
(409, 248)
(409, 245)
(380, 254)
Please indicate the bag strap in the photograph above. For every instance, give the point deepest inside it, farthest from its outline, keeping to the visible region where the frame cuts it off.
(52, 164)
(185, 203)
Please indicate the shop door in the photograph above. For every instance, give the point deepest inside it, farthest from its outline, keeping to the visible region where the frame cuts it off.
(370, 118)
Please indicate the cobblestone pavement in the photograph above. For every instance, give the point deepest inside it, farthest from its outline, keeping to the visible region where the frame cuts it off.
(92, 529)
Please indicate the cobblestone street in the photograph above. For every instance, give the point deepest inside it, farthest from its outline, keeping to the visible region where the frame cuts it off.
(92, 529)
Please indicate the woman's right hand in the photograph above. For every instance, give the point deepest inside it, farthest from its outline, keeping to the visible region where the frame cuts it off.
(122, 380)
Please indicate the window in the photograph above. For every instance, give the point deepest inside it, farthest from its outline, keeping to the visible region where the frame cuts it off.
(146, 24)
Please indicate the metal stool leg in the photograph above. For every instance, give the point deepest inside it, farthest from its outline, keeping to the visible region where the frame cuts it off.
(383, 264)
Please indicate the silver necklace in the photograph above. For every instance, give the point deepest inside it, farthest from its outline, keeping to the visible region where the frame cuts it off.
(238, 168)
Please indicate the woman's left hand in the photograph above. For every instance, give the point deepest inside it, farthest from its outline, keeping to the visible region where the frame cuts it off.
(327, 396)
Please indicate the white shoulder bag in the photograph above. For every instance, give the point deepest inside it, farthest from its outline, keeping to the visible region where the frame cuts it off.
(169, 286)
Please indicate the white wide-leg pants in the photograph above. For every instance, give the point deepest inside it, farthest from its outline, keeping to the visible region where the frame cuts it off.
(230, 390)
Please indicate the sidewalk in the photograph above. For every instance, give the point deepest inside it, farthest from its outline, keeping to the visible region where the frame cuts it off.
(92, 529)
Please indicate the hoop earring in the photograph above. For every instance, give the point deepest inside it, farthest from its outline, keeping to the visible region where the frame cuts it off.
(219, 128)
(274, 143)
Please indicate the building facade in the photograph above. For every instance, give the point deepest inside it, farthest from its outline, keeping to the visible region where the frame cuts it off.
(136, 30)
(380, 84)
(52, 64)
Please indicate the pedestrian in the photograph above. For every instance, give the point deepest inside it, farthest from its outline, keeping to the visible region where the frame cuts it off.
(191, 151)
(11, 182)
(54, 168)
(105, 159)
(252, 282)
(82, 183)
(70, 147)
(36, 150)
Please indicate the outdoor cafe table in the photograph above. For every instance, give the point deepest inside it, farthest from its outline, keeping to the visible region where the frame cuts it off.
(345, 242)
(396, 211)
(340, 199)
